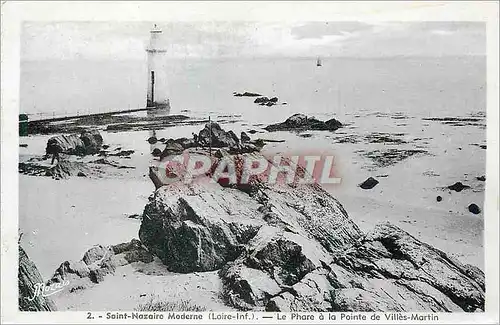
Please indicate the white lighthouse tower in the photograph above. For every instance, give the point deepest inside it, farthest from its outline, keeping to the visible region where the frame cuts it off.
(157, 94)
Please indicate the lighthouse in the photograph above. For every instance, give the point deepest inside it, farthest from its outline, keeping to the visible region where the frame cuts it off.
(157, 94)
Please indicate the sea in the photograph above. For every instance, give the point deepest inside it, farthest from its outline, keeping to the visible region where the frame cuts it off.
(416, 86)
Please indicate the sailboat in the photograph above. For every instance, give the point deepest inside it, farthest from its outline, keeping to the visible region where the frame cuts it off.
(318, 62)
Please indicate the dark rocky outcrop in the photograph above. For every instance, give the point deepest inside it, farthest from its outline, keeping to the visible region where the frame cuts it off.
(92, 140)
(212, 135)
(29, 279)
(87, 143)
(301, 122)
(246, 94)
(156, 152)
(369, 183)
(266, 101)
(458, 187)
(290, 247)
(215, 136)
(481, 178)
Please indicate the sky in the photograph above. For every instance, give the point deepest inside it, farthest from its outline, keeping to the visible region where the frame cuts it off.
(127, 41)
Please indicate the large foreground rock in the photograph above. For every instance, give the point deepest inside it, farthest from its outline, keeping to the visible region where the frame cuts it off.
(301, 122)
(29, 279)
(202, 226)
(294, 248)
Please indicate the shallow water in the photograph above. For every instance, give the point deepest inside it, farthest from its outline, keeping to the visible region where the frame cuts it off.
(422, 86)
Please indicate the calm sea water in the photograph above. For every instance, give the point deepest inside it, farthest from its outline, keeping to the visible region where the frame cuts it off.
(419, 86)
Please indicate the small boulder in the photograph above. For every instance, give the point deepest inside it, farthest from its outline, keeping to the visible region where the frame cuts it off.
(301, 122)
(473, 208)
(481, 178)
(81, 174)
(439, 198)
(152, 140)
(369, 183)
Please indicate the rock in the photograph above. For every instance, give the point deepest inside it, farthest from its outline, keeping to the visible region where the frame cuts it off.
(389, 262)
(81, 174)
(252, 131)
(105, 146)
(29, 279)
(89, 142)
(122, 153)
(172, 147)
(202, 226)
(156, 152)
(98, 262)
(23, 145)
(439, 198)
(270, 103)
(124, 247)
(186, 143)
(152, 140)
(481, 178)
(68, 144)
(214, 134)
(92, 141)
(473, 208)
(301, 122)
(95, 254)
(274, 100)
(244, 137)
(369, 183)
(261, 100)
(458, 187)
(333, 124)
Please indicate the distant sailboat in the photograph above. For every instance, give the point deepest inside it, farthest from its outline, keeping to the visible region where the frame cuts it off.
(318, 62)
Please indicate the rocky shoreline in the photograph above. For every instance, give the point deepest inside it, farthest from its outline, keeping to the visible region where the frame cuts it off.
(285, 247)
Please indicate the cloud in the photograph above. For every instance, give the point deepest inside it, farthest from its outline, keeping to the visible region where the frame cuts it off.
(320, 29)
(115, 40)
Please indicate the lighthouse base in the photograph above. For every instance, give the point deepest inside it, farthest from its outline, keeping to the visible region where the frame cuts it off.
(158, 106)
